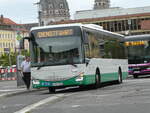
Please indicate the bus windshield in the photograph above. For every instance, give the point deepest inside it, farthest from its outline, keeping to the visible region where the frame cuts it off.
(56, 51)
(139, 54)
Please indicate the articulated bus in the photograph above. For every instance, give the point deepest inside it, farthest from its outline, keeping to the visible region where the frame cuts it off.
(138, 47)
(75, 55)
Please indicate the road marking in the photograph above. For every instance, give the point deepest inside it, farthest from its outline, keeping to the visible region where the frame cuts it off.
(2, 95)
(75, 106)
(33, 106)
(7, 90)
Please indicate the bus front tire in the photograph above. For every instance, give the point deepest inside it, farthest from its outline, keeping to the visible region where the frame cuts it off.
(97, 80)
(120, 76)
(135, 76)
(51, 90)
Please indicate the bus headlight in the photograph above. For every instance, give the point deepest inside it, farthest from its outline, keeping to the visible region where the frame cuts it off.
(80, 77)
(36, 82)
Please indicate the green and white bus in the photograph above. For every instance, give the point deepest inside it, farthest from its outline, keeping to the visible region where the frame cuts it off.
(75, 55)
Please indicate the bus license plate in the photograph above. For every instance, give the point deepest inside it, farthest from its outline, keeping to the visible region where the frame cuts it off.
(57, 84)
(136, 71)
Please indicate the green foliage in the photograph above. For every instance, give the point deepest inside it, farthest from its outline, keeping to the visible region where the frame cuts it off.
(8, 59)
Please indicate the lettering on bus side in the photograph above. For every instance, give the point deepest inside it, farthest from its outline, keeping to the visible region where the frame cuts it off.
(135, 43)
(54, 33)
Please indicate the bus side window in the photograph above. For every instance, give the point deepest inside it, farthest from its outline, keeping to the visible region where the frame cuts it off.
(114, 49)
(86, 45)
(87, 51)
(94, 46)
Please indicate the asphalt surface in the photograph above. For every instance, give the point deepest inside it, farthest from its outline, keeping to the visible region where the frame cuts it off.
(9, 87)
(133, 96)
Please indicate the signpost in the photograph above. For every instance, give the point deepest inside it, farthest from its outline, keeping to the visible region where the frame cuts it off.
(20, 81)
(7, 50)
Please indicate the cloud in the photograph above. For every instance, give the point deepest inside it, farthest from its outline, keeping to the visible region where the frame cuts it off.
(26, 11)
(19, 10)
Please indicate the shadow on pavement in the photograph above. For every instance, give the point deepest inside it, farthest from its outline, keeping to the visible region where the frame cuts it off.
(81, 88)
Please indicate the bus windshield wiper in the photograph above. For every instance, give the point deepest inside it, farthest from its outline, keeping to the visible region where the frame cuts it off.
(74, 65)
(39, 67)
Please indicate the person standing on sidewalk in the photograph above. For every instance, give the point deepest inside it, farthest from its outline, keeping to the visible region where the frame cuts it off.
(26, 70)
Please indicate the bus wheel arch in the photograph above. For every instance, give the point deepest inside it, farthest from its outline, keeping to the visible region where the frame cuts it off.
(51, 89)
(120, 80)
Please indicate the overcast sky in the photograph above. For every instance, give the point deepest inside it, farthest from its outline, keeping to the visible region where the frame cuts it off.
(24, 11)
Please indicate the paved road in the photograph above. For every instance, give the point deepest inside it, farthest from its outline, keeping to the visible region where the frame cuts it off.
(133, 96)
(16, 102)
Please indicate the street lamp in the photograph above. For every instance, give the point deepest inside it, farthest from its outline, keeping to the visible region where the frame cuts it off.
(129, 24)
(7, 51)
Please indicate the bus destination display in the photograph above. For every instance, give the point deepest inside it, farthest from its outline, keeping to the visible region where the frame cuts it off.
(55, 33)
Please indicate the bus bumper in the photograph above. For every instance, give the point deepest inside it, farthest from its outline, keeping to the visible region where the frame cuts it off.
(76, 81)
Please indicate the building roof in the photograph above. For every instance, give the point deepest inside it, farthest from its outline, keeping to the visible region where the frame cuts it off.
(8, 24)
(111, 18)
(8, 21)
(115, 11)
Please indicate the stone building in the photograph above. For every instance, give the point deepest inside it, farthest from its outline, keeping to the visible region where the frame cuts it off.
(127, 21)
(52, 11)
(122, 20)
(101, 4)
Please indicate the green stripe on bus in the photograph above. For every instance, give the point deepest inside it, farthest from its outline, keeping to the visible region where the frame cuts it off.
(87, 80)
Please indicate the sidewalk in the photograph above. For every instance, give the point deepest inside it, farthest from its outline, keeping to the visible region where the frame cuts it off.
(9, 88)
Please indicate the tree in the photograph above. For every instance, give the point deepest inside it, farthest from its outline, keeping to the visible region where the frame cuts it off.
(6, 58)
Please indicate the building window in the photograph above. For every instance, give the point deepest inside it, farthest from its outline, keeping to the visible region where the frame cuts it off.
(61, 6)
(50, 6)
(6, 45)
(3, 45)
(12, 45)
(50, 12)
(56, 12)
(9, 45)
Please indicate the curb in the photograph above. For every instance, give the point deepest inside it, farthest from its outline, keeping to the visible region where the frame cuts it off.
(130, 76)
(19, 92)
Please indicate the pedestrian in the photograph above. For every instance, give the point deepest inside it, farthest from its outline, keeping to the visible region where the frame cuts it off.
(26, 70)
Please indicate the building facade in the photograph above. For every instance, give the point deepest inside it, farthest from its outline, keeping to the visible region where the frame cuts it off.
(9, 33)
(129, 21)
(53, 10)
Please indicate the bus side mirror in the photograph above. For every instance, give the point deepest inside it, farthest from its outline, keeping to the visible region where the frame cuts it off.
(21, 42)
(87, 60)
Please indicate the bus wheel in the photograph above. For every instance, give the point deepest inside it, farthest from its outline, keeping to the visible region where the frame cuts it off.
(97, 80)
(119, 76)
(135, 76)
(51, 90)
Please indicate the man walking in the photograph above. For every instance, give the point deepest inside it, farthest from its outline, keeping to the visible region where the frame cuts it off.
(25, 67)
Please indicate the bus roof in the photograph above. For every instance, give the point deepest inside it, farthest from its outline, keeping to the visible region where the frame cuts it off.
(137, 37)
(88, 27)
(55, 26)
(93, 28)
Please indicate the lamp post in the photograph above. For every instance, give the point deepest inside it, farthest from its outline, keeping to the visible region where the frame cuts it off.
(129, 24)
(7, 50)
